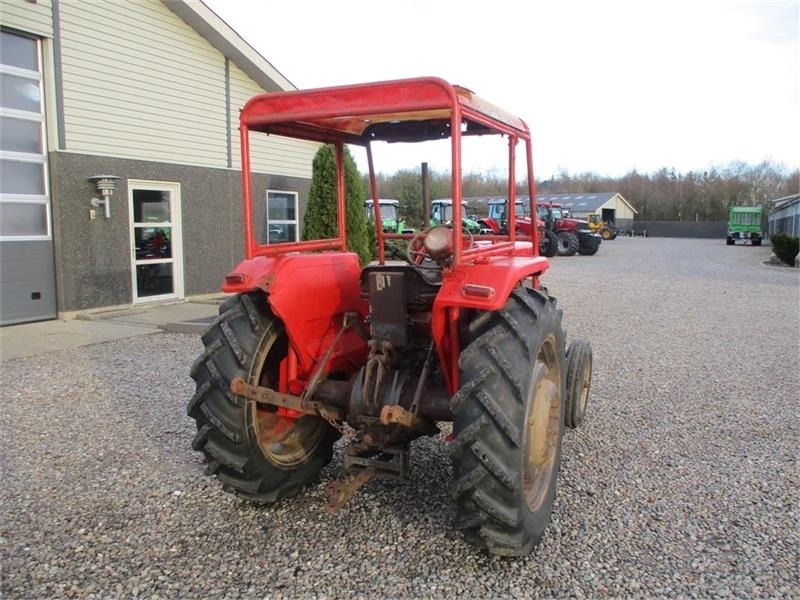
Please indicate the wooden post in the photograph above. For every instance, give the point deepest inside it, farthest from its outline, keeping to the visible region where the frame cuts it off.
(426, 197)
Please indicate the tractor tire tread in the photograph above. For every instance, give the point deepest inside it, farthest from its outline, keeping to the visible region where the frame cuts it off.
(222, 418)
(489, 410)
(579, 351)
(571, 243)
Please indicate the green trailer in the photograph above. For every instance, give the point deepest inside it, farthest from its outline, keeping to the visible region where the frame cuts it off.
(744, 225)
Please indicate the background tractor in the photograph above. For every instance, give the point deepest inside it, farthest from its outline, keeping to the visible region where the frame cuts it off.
(313, 347)
(390, 219)
(571, 235)
(557, 233)
(442, 214)
(497, 223)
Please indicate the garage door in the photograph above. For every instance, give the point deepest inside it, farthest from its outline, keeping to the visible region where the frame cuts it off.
(27, 278)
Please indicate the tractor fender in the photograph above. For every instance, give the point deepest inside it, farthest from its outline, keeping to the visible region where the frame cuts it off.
(487, 285)
(524, 226)
(483, 285)
(490, 224)
(310, 294)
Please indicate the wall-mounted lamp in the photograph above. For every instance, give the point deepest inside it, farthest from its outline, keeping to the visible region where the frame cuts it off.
(105, 185)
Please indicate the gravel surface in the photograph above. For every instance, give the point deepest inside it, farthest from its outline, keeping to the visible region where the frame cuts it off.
(683, 482)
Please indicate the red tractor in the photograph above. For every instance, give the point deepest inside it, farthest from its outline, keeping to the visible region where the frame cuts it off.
(497, 223)
(558, 233)
(313, 346)
(571, 235)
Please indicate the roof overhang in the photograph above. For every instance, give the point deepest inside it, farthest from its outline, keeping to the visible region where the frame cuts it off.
(628, 204)
(222, 37)
(779, 204)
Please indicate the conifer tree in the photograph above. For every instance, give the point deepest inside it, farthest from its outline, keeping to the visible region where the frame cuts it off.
(320, 218)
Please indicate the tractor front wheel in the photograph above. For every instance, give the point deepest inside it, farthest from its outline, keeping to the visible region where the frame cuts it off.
(566, 243)
(579, 379)
(253, 450)
(589, 245)
(508, 424)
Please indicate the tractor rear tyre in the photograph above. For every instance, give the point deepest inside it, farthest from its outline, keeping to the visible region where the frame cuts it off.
(566, 243)
(508, 421)
(548, 244)
(579, 378)
(253, 451)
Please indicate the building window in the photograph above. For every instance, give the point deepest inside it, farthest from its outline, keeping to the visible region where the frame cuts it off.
(281, 216)
(24, 206)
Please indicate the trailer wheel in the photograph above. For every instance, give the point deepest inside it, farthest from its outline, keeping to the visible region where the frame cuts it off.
(508, 424)
(566, 243)
(579, 378)
(252, 450)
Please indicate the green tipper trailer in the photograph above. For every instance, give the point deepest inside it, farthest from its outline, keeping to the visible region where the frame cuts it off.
(744, 225)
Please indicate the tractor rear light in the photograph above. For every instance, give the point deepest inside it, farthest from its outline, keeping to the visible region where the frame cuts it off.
(478, 291)
(235, 278)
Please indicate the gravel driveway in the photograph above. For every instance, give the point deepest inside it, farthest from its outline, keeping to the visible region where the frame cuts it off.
(683, 481)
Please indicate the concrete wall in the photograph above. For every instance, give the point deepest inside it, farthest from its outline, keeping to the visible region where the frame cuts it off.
(686, 229)
(93, 262)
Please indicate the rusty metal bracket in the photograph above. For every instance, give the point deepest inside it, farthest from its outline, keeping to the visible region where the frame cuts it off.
(399, 415)
(265, 395)
(396, 415)
(339, 492)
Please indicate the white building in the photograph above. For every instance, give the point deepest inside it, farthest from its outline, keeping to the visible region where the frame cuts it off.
(147, 92)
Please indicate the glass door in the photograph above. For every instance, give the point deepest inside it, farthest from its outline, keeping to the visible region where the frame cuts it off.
(155, 240)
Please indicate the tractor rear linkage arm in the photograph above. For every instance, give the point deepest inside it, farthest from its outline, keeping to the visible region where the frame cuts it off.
(264, 395)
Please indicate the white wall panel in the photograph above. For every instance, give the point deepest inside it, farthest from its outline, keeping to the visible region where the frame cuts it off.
(27, 16)
(140, 83)
(268, 154)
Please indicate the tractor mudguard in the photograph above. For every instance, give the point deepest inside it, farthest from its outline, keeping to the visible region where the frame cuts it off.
(483, 285)
(310, 294)
(487, 285)
(490, 224)
(524, 226)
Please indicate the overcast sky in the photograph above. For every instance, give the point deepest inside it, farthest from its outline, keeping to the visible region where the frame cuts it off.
(605, 86)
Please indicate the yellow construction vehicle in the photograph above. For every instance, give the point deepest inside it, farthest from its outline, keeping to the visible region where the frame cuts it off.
(607, 230)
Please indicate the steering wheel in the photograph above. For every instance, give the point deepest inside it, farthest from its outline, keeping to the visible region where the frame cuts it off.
(416, 253)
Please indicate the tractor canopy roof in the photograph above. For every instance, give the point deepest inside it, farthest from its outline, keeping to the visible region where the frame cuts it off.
(406, 110)
(382, 201)
(447, 201)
